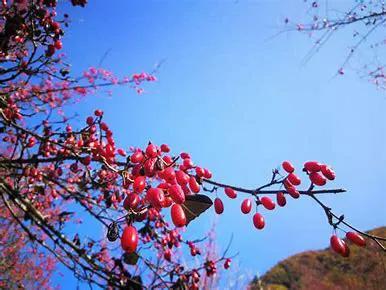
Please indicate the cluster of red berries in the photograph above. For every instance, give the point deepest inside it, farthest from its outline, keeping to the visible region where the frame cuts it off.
(19, 29)
(156, 181)
(341, 247)
(170, 240)
(51, 48)
(318, 174)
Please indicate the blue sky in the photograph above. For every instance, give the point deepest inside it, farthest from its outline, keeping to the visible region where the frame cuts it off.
(241, 101)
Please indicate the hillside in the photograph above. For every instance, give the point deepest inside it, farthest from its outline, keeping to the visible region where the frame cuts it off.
(317, 270)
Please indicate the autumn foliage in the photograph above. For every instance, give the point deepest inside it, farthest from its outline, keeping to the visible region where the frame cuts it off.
(324, 269)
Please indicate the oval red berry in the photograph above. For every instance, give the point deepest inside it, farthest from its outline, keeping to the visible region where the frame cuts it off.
(178, 215)
(258, 221)
(246, 206)
(129, 239)
(230, 192)
(218, 206)
(288, 167)
(267, 203)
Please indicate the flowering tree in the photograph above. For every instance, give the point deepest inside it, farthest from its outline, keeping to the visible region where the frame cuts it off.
(51, 174)
(22, 263)
(366, 21)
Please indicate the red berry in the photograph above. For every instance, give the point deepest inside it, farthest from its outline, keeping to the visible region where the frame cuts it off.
(168, 159)
(312, 166)
(151, 151)
(230, 192)
(152, 214)
(104, 127)
(182, 178)
(131, 201)
(280, 199)
(163, 185)
(109, 150)
(156, 197)
(139, 184)
(200, 171)
(31, 142)
(177, 194)
(50, 50)
(246, 206)
(121, 152)
(149, 167)
(317, 179)
(168, 255)
(58, 44)
(169, 174)
(218, 206)
(68, 129)
(188, 163)
(287, 166)
(207, 174)
(178, 215)
(267, 203)
(258, 221)
(356, 238)
(186, 190)
(185, 155)
(227, 264)
(137, 157)
(337, 244)
(291, 189)
(129, 239)
(55, 25)
(165, 148)
(98, 113)
(294, 179)
(327, 172)
(86, 160)
(293, 192)
(346, 250)
(167, 202)
(193, 184)
(90, 120)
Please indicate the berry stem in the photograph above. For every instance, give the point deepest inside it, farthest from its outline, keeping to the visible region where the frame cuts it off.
(329, 213)
(258, 191)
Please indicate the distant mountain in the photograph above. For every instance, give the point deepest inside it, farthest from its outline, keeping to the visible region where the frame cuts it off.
(365, 269)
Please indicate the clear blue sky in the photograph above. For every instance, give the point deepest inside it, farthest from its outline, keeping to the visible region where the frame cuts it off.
(240, 102)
